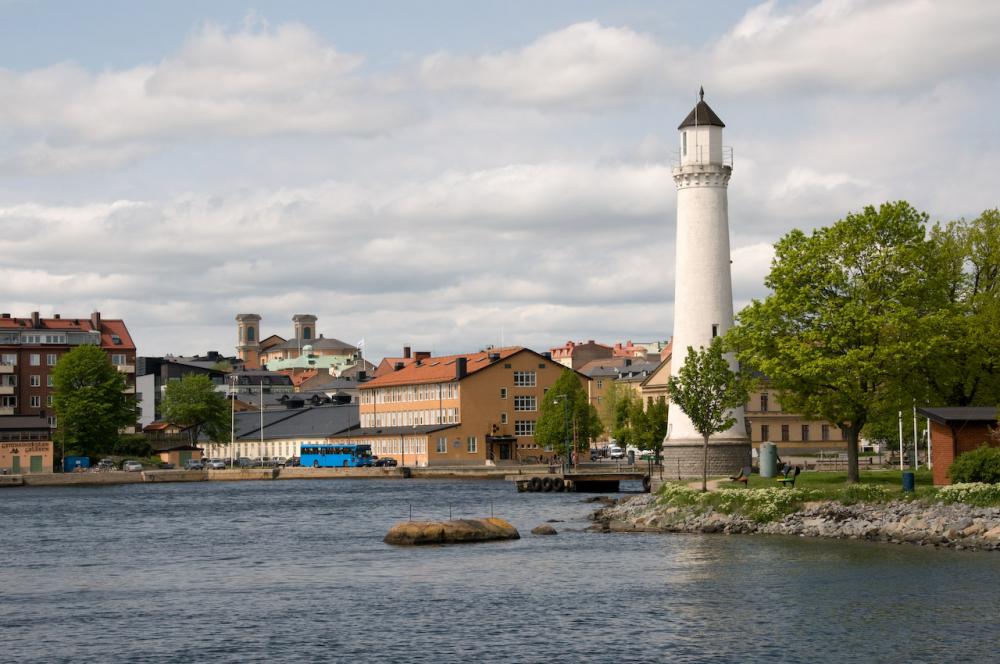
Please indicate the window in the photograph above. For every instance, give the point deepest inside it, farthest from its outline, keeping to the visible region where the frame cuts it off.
(763, 402)
(843, 435)
(503, 418)
(442, 445)
(524, 427)
(765, 432)
(471, 444)
(524, 379)
(52, 422)
(9, 359)
(117, 359)
(824, 432)
(35, 380)
(250, 334)
(35, 360)
(49, 382)
(784, 432)
(51, 359)
(36, 401)
(715, 330)
(8, 381)
(600, 384)
(503, 392)
(306, 333)
(684, 143)
(48, 400)
(8, 402)
(805, 432)
(525, 403)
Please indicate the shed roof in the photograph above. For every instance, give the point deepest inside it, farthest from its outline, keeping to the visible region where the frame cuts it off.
(959, 414)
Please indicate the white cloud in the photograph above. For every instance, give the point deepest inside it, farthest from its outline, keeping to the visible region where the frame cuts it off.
(585, 65)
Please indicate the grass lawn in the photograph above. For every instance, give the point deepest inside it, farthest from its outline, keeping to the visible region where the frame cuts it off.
(833, 482)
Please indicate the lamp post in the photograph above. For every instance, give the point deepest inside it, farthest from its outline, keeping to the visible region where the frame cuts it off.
(232, 419)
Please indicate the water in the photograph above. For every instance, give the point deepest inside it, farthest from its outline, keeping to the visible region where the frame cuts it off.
(296, 571)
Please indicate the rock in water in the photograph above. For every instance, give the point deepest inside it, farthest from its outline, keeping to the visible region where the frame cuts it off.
(450, 532)
(544, 529)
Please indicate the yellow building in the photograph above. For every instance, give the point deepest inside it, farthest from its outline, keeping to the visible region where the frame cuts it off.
(458, 409)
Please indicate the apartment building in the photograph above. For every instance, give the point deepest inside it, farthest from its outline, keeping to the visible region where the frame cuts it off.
(465, 409)
(30, 348)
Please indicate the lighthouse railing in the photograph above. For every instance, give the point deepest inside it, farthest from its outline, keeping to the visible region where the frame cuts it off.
(699, 154)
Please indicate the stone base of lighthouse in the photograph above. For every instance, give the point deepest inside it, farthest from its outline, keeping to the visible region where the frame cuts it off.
(684, 458)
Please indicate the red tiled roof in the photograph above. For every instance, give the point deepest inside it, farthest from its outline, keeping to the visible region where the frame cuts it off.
(108, 328)
(438, 369)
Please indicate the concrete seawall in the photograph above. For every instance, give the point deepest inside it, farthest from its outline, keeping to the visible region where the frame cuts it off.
(258, 474)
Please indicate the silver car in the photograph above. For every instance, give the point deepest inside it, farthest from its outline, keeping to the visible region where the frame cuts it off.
(132, 466)
(215, 464)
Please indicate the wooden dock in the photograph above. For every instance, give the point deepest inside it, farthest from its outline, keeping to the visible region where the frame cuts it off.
(583, 481)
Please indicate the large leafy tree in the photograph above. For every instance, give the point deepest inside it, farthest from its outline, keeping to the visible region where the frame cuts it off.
(654, 427)
(193, 402)
(89, 401)
(707, 391)
(962, 367)
(566, 414)
(840, 336)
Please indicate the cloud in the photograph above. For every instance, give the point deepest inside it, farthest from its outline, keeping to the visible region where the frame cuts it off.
(585, 65)
(256, 81)
(855, 45)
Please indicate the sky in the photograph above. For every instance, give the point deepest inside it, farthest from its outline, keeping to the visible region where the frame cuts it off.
(449, 175)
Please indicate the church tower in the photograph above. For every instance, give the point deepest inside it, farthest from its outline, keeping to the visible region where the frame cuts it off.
(703, 288)
(248, 339)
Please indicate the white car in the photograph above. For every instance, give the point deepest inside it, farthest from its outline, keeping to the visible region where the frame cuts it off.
(132, 467)
(615, 452)
(214, 464)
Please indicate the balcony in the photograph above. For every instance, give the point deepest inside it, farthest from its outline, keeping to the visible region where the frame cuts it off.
(6, 368)
(6, 390)
(126, 368)
(6, 410)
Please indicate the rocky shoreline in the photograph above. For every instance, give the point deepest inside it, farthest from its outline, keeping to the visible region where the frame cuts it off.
(955, 526)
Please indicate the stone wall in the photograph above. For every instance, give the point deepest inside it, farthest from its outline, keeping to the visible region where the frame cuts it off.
(683, 460)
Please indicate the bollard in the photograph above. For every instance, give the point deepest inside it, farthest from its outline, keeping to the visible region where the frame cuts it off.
(908, 482)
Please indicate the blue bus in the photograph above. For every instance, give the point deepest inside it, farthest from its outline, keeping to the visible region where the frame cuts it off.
(336, 456)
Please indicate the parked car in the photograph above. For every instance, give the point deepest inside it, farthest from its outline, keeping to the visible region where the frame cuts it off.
(194, 464)
(615, 452)
(105, 464)
(214, 464)
(132, 467)
(245, 462)
(294, 462)
(278, 462)
(385, 462)
(166, 465)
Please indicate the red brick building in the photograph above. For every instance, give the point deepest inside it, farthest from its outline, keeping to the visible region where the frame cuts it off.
(30, 348)
(955, 431)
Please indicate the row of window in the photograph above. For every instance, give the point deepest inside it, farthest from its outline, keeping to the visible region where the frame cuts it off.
(35, 359)
(408, 393)
(34, 401)
(34, 380)
(824, 432)
(411, 418)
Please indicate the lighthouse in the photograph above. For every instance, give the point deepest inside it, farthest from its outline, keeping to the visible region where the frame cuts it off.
(703, 287)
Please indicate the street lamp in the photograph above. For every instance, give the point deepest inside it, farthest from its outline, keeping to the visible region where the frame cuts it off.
(232, 419)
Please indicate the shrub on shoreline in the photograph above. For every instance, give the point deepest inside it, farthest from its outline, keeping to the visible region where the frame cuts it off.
(979, 494)
(980, 465)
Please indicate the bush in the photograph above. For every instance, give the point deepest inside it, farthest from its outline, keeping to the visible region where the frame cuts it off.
(863, 493)
(974, 493)
(131, 445)
(980, 465)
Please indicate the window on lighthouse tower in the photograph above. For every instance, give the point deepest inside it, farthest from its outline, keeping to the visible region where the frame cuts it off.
(685, 141)
(715, 330)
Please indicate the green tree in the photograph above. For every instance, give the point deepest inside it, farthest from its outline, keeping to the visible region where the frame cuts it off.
(962, 363)
(567, 414)
(654, 428)
(614, 394)
(706, 390)
(840, 336)
(89, 401)
(627, 406)
(194, 402)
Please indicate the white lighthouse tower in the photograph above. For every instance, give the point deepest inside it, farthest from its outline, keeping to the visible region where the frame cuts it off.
(703, 287)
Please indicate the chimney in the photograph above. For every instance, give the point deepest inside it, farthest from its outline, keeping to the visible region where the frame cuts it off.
(461, 367)
(362, 376)
(547, 355)
(35, 321)
(628, 362)
(422, 354)
(56, 316)
(95, 320)
(493, 357)
(406, 352)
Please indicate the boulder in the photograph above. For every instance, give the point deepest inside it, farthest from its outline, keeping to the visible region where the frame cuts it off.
(544, 529)
(450, 532)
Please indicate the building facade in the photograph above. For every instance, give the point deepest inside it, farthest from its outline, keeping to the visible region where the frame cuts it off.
(31, 347)
(467, 409)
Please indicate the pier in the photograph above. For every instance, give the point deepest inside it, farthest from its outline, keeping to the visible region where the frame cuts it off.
(583, 481)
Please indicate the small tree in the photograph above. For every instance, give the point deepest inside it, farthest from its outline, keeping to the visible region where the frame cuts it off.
(89, 401)
(706, 390)
(656, 426)
(193, 402)
(566, 414)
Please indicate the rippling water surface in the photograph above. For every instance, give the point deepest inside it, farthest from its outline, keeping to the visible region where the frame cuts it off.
(296, 571)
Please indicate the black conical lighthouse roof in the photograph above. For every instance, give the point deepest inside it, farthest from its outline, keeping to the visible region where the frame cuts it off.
(701, 114)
